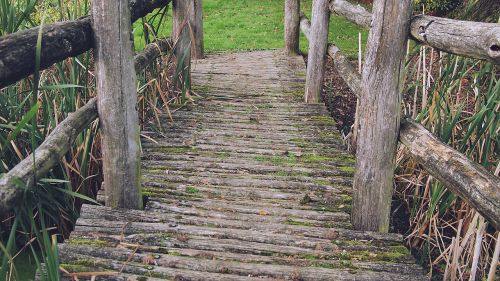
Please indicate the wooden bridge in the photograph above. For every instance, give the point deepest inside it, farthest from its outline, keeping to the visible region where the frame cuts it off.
(248, 182)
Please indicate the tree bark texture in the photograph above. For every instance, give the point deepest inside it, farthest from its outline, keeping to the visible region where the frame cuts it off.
(340, 62)
(379, 115)
(471, 181)
(317, 51)
(182, 15)
(188, 23)
(354, 13)
(292, 27)
(117, 98)
(59, 41)
(464, 38)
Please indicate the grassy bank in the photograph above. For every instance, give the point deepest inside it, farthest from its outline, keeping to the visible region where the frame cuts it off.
(255, 25)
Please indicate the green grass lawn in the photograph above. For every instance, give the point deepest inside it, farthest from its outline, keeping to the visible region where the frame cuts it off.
(255, 25)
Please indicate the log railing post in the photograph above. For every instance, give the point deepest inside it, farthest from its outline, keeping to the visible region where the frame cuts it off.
(197, 25)
(182, 11)
(379, 115)
(317, 51)
(188, 15)
(292, 26)
(117, 99)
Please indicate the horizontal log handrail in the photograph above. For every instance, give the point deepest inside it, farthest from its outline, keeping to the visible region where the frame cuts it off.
(472, 182)
(59, 141)
(59, 41)
(464, 38)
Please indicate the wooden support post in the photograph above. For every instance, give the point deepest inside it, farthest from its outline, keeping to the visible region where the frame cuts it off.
(188, 14)
(317, 51)
(379, 115)
(117, 99)
(181, 10)
(292, 27)
(197, 26)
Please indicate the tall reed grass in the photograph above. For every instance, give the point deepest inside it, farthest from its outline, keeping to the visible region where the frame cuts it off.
(33, 107)
(457, 99)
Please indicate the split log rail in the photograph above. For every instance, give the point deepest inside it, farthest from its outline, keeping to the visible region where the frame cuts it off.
(378, 92)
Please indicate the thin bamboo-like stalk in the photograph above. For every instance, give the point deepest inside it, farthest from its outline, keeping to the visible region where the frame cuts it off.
(494, 262)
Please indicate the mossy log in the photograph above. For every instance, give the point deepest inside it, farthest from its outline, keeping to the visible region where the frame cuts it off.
(464, 38)
(59, 41)
(57, 144)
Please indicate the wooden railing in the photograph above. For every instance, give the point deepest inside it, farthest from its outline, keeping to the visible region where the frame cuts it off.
(379, 96)
(116, 88)
(380, 125)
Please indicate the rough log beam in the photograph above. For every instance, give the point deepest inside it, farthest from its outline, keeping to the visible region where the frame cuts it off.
(58, 143)
(317, 51)
(465, 38)
(379, 111)
(292, 14)
(340, 62)
(59, 41)
(116, 86)
(471, 181)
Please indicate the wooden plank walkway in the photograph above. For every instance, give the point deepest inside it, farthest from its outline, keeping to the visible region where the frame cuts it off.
(247, 184)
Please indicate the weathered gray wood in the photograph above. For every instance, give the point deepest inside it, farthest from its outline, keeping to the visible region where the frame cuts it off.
(181, 31)
(340, 62)
(463, 179)
(47, 155)
(58, 143)
(292, 14)
(59, 41)
(151, 52)
(117, 99)
(197, 51)
(223, 196)
(379, 115)
(471, 39)
(465, 38)
(355, 13)
(317, 51)
(471, 181)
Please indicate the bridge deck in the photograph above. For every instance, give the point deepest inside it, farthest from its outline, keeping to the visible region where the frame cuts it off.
(247, 184)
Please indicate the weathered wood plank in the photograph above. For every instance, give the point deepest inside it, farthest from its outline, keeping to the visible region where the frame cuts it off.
(471, 181)
(379, 112)
(317, 51)
(117, 99)
(465, 38)
(224, 203)
(59, 41)
(292, 14)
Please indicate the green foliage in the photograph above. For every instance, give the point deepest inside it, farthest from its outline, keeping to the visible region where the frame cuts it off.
(439, 7)
(252, 25)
